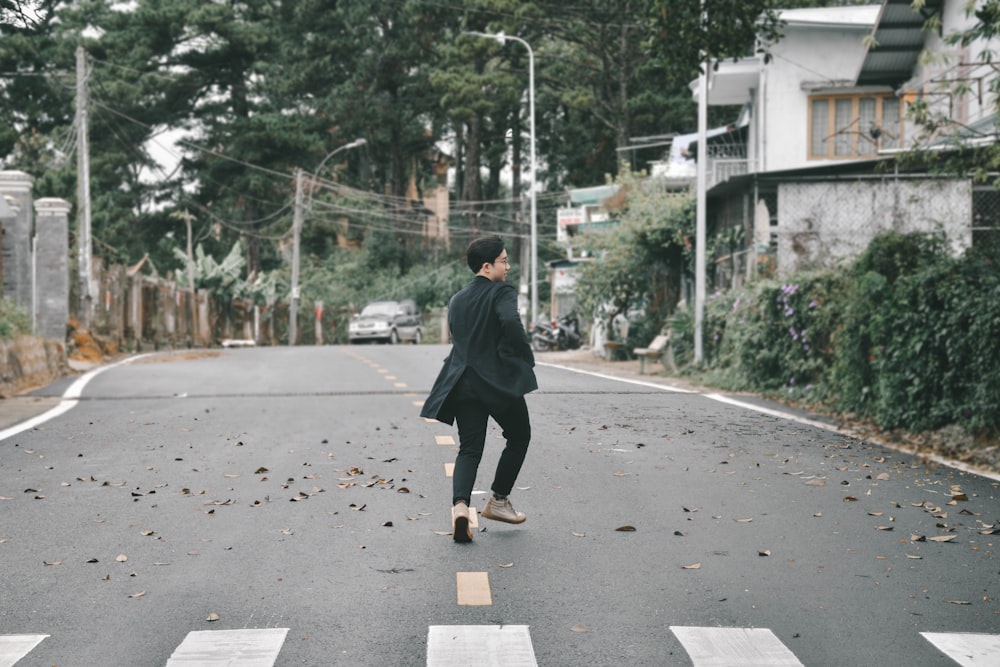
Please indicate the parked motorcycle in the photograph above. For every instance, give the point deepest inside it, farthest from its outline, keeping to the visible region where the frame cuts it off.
(559, 334)
(544, 337)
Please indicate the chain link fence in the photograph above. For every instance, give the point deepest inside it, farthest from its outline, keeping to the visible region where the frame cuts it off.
(817, 223)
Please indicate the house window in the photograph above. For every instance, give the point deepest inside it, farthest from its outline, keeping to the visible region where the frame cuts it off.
(853, 126)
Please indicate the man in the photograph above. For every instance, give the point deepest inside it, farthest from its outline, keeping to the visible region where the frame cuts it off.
(486, 374)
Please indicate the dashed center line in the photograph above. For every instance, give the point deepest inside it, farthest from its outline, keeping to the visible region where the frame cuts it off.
(474, 589)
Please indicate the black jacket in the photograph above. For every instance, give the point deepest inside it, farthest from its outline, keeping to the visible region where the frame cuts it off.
(487, 337)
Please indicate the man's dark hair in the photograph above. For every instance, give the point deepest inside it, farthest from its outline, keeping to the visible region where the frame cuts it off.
(483, 251)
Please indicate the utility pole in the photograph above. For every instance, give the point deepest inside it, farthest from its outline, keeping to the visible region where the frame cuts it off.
(83, 237)
(701, 200)
(293, 308)
(192, 310)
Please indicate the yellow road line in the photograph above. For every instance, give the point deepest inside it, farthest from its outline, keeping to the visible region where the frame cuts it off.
(474, 589)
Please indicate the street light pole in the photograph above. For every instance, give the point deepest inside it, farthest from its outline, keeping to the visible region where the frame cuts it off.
(293, 312)
(501, 37)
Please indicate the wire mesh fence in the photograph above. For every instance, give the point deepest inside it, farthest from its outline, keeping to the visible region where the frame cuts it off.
(805, 224)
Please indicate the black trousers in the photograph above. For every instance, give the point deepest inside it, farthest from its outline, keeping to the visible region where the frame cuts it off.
(473, 407)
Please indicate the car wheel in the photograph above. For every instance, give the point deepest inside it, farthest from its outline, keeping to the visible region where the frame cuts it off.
(393, 337)
(417, 337)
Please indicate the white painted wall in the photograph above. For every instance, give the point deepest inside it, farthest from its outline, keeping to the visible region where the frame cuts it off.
(813, 56)
(820, 225)
(943, 67)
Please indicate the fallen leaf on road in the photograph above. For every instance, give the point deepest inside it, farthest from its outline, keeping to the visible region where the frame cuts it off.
(580, 627)
(138, 595)
(121, 558)
(959, 602)
(765, 552)
(850, 499)
(625, 529)
(883, 527)
(692, 566)
(942, 538)
(743, 520)
(212, 617)
(52, 562)
(505, 565)
(576, 534)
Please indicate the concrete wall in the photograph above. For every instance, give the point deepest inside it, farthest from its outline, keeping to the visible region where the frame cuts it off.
(51, 273)
(954, 66)
(822, 224)
(29, 362)
(16, 185)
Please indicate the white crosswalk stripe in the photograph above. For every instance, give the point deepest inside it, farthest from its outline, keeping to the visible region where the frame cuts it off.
(236, 648)
(479, 645)
(15, 647)
(969, 649)
(511, 646)
(747, 647)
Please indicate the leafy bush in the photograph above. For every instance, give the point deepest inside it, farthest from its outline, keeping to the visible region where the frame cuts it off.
(13, 320)
(908, 336)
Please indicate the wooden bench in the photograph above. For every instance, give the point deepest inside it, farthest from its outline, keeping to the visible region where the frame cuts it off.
(653, 352)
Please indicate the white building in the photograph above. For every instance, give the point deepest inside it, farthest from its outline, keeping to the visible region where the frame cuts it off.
(822, 122)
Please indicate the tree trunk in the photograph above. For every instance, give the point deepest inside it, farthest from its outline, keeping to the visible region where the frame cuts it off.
(473, 150)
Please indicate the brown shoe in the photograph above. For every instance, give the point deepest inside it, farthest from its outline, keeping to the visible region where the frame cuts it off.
(461, 531)
(502, 510)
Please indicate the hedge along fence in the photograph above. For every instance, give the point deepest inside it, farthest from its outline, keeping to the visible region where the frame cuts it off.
(907, 336)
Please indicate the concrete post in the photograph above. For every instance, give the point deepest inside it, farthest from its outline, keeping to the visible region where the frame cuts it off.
(52, 255)
(17, 237)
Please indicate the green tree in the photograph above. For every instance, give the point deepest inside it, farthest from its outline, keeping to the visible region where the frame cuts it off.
(642, 261)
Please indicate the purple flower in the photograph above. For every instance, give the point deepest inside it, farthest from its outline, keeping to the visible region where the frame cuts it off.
(736, 304)
(813, 304)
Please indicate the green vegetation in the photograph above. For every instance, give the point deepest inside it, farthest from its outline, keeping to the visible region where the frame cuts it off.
(908, 337)
(14, 321)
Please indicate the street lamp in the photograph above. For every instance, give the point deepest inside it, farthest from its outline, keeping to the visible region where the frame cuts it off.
(293, 312)
(501, 37)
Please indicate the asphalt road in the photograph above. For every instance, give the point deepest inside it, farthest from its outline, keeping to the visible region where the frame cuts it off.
(282, 506)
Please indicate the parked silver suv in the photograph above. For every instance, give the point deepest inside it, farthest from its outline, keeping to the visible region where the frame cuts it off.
(387, 322)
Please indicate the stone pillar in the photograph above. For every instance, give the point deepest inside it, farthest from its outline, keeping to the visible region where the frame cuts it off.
(52, 275)
(7, 219)
(17, 237)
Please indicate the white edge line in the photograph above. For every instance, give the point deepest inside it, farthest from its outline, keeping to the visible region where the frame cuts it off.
(676, 390)
(958, 465)
(70, 399)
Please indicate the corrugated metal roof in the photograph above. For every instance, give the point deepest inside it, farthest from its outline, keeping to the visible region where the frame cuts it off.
(898, 40)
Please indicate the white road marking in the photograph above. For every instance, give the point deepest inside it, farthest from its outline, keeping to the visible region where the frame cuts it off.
(969, 649)
(15, 647)
(958, 465)
(70, 399)
(479, 646)
(231, 648)
(724, 647)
